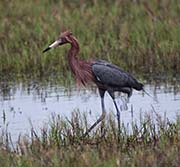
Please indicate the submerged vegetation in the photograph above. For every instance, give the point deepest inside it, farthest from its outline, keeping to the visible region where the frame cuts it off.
(152, 142)
(140, 36)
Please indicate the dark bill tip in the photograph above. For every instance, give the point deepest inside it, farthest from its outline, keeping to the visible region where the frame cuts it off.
(45, 50)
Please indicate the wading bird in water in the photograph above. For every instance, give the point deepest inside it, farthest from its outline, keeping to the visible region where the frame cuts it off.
(108, 77)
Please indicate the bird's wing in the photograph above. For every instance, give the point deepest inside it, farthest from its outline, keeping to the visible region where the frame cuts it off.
(111, 75)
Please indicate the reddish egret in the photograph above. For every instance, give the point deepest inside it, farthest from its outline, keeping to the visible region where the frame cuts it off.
(108, 77)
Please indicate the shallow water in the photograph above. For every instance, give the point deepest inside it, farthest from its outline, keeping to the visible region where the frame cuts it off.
(24, 106)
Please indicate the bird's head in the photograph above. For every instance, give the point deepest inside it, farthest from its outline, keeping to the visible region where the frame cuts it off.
(65, 37)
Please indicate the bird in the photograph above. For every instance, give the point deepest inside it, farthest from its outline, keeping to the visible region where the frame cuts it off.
(106, 76)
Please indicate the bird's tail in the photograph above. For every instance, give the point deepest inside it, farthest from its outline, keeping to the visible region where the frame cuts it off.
(149, 95)
(138, 86)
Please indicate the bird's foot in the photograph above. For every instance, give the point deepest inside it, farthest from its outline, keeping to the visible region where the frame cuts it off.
(123, 105)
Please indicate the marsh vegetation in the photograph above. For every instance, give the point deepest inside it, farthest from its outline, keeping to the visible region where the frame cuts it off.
(140, 36)
(152, 142)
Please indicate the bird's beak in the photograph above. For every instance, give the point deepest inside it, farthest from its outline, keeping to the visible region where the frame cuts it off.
(53, 45)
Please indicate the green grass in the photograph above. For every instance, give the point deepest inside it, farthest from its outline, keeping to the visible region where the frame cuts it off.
(141, 37)
(152, 142)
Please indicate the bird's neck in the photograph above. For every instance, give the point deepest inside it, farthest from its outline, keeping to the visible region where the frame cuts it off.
(72, 56)
(80, 68)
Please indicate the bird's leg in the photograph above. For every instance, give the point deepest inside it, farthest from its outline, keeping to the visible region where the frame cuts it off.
(118, 119)
(118, 114)
(103, 115)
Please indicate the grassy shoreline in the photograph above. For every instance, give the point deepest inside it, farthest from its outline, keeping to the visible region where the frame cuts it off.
(141, 37)
(151, 143)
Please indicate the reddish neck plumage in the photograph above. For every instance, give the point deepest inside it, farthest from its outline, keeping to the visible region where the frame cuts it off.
(81, 69)
(72, 55)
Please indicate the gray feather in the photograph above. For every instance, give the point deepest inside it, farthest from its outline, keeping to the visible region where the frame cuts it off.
(112, 76)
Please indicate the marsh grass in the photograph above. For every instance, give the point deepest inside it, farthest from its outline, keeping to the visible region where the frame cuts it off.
(139, 36)
(151, 142)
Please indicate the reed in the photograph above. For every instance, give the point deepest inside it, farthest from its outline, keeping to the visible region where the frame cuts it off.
(141, 37)
(151, 142)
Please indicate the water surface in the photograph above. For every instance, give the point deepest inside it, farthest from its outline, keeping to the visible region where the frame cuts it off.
(23, 106)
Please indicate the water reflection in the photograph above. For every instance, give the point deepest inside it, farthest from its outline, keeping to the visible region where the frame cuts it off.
(22, 104)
